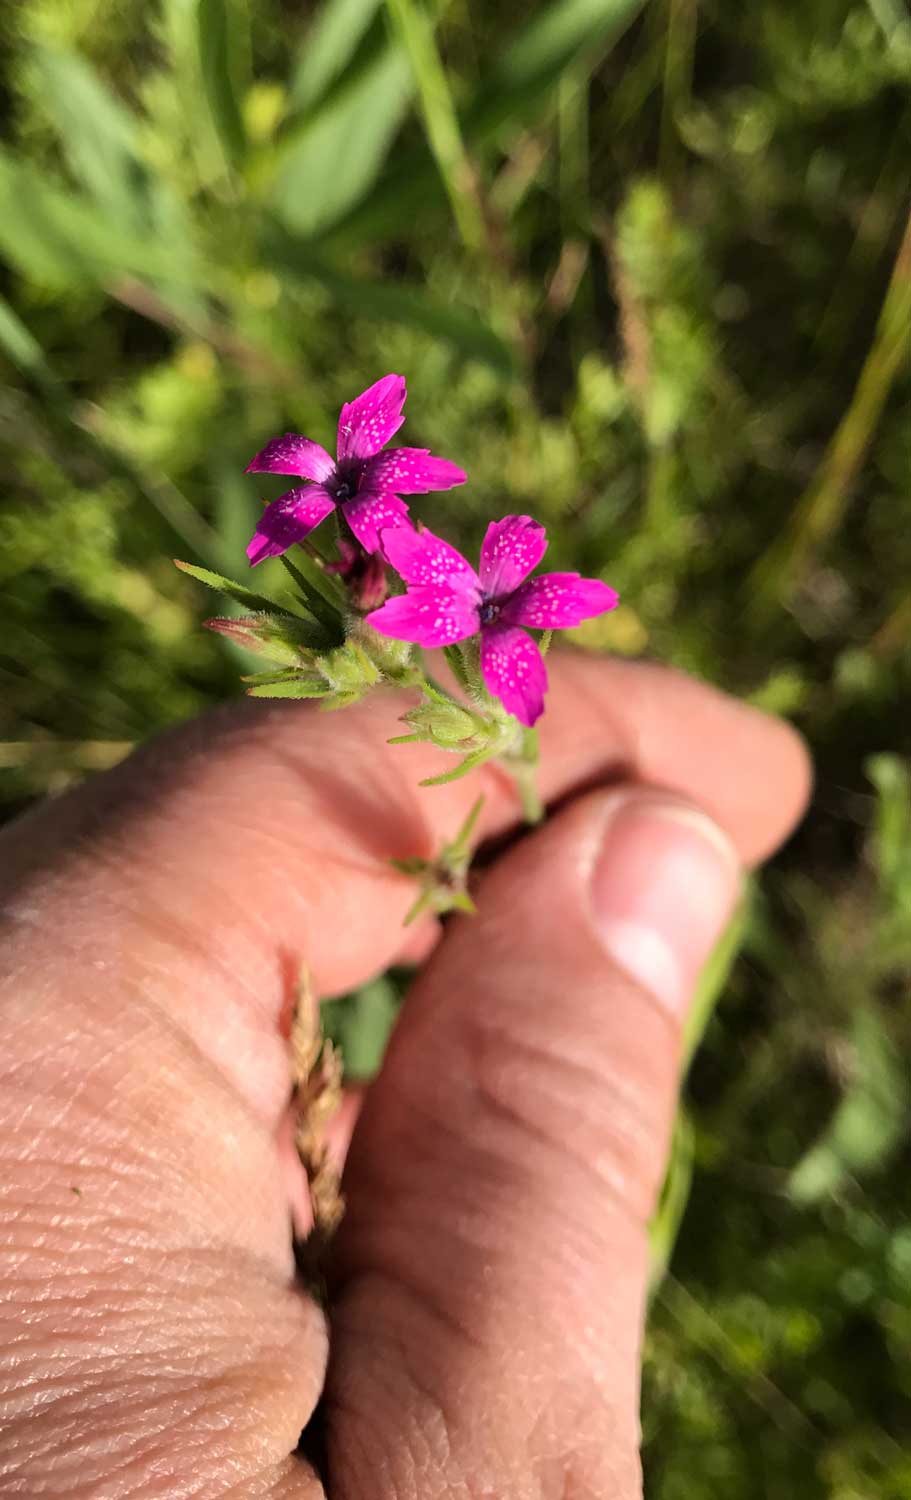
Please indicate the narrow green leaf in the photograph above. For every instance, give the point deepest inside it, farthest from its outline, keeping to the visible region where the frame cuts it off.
(316, 593)
(98, 134)
(218, 69)
(714, 977)
(666, 1221)
(891, 777)
(58, 238)
(21, 347)
(274, 678)
(328, 46)
(415, 28)
(470, 763)
(233, 590)
(298, 688)
(330, 160)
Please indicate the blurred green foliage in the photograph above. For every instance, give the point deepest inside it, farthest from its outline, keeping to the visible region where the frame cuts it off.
(647, 269)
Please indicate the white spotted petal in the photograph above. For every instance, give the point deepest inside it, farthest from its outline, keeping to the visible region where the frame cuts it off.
(368, 515)
(509, 552)
(367, 423)
(513, 670)
(411, 471)
(428, 615)
(422, 558)
(557, 600)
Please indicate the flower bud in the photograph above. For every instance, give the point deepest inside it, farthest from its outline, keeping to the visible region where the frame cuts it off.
(449, 726)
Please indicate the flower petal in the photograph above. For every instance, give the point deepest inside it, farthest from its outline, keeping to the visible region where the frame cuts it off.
(422, 558)
(411, 471)
(511, 548)
(287, 520)
(371, 419)
(431, 615)
(293, 454)
(558, 599)
(368, 515)
(513, 670)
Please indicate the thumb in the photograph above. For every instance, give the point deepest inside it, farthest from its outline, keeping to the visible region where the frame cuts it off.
(493, 1264)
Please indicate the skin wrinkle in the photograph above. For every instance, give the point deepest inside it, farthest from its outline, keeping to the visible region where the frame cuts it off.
(135, 1165)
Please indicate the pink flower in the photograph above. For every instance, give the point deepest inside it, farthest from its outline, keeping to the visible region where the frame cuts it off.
(361, 480)
(448, 601)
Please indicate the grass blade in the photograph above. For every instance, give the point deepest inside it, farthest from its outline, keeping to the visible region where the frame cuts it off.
(218, 69)
(328, 46)
(98, 134)
(327, 162)
(415, 30)
(21, 347)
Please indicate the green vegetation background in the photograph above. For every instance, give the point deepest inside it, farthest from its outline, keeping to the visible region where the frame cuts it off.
(647, 269)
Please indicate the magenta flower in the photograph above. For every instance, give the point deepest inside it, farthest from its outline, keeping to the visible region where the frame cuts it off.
(361, 480)
(448, 601)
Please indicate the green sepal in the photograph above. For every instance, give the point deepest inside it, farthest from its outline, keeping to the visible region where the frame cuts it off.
(324, 599)
(289, 687)
(280, 638)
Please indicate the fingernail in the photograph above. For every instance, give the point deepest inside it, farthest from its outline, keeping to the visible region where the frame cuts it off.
(664, 886)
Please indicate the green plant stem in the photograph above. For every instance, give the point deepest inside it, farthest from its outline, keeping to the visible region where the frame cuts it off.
(523, 768)
(444, 137)
(819, 513)
(678, 81)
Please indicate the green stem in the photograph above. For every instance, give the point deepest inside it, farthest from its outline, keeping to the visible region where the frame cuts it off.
(523, 768)
(819, 513)
(414, 29)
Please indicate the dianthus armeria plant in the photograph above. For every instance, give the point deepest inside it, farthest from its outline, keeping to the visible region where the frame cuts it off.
(372, 592)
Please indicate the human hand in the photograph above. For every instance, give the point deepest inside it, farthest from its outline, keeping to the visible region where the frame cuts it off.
(489, 1277)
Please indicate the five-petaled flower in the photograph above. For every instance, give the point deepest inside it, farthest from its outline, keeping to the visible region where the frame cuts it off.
(363, 482)
(447, 601)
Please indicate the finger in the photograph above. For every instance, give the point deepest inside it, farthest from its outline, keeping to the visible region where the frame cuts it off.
(216, 862)
(493, 1264)
(154, 924)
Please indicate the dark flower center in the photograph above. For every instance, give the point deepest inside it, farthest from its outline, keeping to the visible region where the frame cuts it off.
(490, 610)
(346, 481)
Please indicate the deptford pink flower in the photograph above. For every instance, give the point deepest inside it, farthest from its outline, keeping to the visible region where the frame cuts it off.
(362, 481)
(448, 601)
